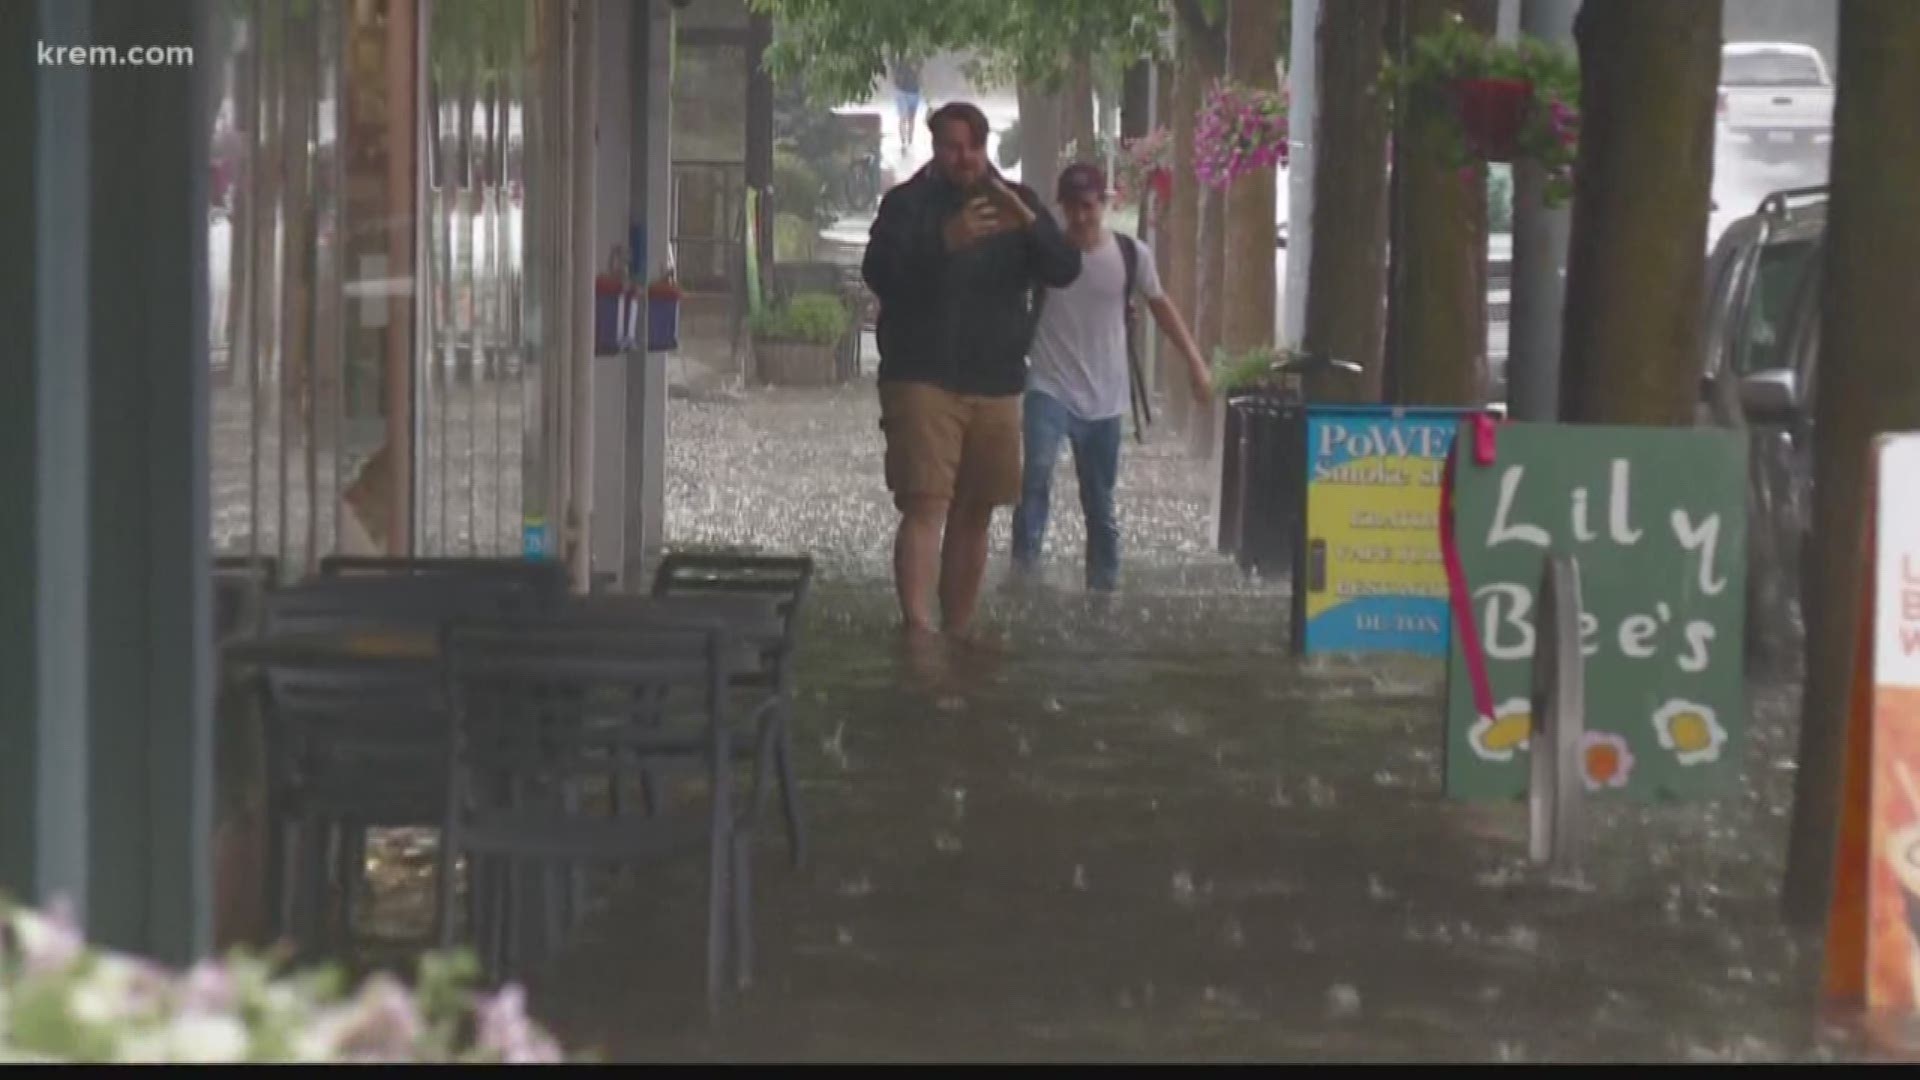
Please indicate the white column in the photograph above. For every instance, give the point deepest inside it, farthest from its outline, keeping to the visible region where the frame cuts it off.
(652, 202)
(1303, 73)
(613, 135)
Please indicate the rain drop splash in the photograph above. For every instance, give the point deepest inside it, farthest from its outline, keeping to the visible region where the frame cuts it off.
(1343, 1002)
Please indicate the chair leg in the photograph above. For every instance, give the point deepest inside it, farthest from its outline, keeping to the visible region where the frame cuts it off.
(352, 871)
(445, 893)
(742, 890)
(649, 792)
(719, 877)
(314, 893)
(790, 792)
(280, 874)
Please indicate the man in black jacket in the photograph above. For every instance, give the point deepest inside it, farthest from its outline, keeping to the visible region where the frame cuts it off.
(954, 256)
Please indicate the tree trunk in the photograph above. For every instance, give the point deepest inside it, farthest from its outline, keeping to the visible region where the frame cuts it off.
(1636, 260)
(1180, 254)
(1347, 281)
(1253, 40)
(1077, 115)
(1039, 138)
(1210, 297)
(1868, 384)
(1441, 297)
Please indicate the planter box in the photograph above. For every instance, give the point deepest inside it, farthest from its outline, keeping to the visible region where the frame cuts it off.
(795, 363)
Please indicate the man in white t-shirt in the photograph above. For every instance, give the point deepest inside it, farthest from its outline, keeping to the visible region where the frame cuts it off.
(1077, 387)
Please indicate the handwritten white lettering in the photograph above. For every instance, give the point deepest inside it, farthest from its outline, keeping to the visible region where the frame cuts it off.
(1623, 531)
(1635, 632)
(1704, 538)
(1699, 636)
(1581, 530)
(1520, 601)
(1502, 532)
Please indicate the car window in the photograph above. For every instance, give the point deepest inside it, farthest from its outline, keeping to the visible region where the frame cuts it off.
(1762, 345)
(1770, 69)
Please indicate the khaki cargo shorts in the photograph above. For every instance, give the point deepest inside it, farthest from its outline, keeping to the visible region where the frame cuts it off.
(957, 447)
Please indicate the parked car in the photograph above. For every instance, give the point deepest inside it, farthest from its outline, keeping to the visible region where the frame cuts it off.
(1776, 100)
(1762, 349)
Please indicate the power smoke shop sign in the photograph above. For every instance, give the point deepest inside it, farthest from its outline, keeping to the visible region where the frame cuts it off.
(1657, 520)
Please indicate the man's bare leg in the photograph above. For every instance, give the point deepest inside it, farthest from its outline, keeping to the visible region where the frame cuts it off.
(963, 563)
(916, 561)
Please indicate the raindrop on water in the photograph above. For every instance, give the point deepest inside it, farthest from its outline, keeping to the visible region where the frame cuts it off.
(952, 704)
(856, 887)
(844, 935)
(1052, 706)
(946, 842)
(1343, 1002)
(1183, 888)
(1079, 878)
(1378, 891)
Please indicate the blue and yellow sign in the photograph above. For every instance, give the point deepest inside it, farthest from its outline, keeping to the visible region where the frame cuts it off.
(1370, 575)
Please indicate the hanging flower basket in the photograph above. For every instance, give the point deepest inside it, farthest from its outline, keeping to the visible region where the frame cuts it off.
(1490, 101)
(1240, 130)
(1492, 112)
(1146, 165)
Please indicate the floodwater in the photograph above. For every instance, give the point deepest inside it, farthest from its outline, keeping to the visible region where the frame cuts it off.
(1140, 830)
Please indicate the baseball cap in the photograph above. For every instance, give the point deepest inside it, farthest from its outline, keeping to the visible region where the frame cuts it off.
(1081, 179)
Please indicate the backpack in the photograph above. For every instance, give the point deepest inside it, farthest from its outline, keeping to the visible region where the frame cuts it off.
(1136, 379)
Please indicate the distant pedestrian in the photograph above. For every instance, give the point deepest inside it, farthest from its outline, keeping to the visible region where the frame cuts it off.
(906, 97)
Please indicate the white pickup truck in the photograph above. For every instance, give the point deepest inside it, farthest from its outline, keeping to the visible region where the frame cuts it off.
(1776, 100)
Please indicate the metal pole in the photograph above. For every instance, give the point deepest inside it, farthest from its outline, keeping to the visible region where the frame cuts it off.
(579, 292)
(1303, 74)
(1539, 256)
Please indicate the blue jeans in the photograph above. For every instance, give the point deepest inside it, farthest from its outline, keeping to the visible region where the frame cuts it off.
(1096, 459)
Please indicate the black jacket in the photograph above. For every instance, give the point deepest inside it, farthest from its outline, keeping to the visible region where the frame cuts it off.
(959, 320)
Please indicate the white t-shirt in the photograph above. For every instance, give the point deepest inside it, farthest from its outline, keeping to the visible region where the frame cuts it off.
(1079, 350)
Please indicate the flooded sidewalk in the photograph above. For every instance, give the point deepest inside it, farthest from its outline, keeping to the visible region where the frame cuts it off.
(1141, 830)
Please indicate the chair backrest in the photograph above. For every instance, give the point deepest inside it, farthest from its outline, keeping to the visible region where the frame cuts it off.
(783, 577)
(329, 720)
(557, 696)
(327, 605)
(545, 577)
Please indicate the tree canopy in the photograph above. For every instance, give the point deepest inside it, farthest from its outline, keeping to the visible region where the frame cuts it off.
(843, 46)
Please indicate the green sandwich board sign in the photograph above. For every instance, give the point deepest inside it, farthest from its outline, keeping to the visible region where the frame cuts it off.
(1656, 518)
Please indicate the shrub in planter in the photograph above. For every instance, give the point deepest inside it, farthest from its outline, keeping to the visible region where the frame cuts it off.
(797, 343)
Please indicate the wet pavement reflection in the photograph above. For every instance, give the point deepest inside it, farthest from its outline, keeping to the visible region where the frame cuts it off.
(1139, 829)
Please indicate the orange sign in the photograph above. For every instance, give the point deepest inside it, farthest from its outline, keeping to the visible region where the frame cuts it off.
(1874, 939)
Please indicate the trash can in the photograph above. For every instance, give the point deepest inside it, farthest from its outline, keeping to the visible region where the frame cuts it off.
(1227, 540)
(1272, 480)
(1264, 483)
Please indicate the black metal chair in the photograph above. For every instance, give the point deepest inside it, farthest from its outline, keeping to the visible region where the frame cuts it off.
(784, 580)
(355, 743)
(542, 707)
(318, 609)
(546, 578)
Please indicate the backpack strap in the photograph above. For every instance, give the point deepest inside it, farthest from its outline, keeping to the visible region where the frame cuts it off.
(1136, 379)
